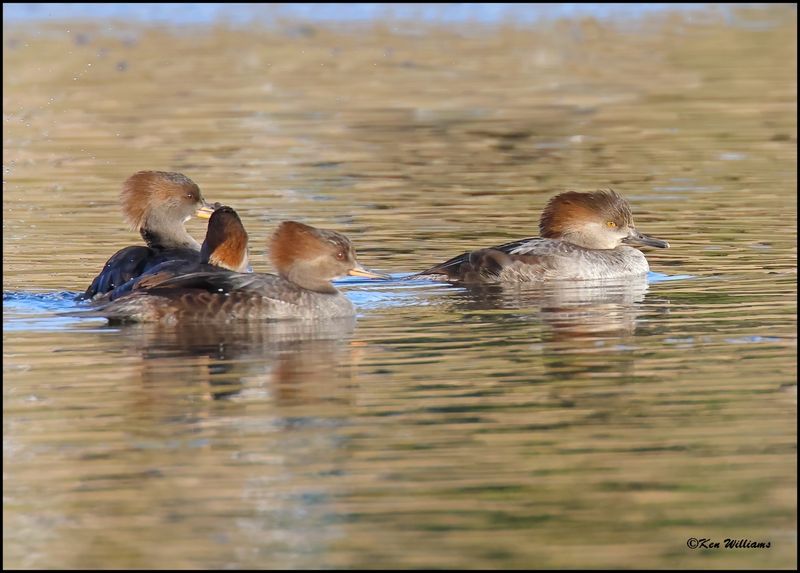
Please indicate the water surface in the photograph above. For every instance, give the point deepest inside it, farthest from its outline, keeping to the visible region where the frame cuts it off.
(445, 426)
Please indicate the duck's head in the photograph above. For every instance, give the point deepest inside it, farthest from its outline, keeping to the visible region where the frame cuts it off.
(311, 257)
(157, 203)
(597, 220)
(225, 244)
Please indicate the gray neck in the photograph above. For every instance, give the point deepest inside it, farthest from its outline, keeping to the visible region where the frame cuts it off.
(159, 231)
(590, 238)
(303, 275)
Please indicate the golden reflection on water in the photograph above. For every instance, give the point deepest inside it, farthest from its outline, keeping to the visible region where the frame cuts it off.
(447, 427)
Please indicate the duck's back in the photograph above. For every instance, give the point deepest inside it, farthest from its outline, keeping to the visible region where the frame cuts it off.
(536, 259)
(131, 262)
(225, 296)
(156, 275)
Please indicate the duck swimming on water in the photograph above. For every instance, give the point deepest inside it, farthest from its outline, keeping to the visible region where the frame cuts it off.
(225, 247)
(583, 236)
(306, 258)
(157, 204)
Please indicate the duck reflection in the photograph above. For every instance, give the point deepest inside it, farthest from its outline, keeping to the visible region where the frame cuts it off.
(288, 361)
(572, 310)
(248, 415)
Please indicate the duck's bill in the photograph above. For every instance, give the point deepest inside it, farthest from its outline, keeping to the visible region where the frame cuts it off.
(205, 211)
(360, 271)
(638, 238)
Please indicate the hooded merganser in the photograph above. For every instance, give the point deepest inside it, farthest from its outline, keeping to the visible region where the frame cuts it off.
(225, 247)
(157, 204)
(306, 259)
(582, 236)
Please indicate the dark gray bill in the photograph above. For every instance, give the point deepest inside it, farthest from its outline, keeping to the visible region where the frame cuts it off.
(638, 238)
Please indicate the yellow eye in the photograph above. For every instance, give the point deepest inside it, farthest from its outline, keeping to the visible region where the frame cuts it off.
(610, 224)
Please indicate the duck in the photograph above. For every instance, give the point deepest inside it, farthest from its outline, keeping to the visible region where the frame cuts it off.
(224, 247)
(583, 236)
(306, 258)
(156, 204)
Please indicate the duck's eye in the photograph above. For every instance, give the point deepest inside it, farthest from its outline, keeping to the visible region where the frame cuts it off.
(611, 224)
(340, 255)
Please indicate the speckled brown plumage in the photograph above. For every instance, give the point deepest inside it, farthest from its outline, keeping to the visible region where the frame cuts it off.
(224, 247)
(306, 258)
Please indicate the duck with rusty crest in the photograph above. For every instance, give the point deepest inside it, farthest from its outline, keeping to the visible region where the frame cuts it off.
(306, 258)
(583, 236)
(156, 204)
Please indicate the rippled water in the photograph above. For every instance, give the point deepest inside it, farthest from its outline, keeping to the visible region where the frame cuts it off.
(445, 426)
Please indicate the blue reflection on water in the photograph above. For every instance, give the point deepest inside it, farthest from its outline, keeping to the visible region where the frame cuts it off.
(40, 311)
(244, 13)
(43, 311)
(653, 277)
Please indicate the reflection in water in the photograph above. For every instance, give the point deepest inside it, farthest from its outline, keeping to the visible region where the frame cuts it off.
(220, 434)
(450, 427)
(576, 309)
(273, 357)
(580, 329)
(289, 364)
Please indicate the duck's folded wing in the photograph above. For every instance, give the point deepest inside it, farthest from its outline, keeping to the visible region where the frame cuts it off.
(220, 281)
(148, 279)
(486, 263)
(130, 263)
(118, 270)
(206, 296)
